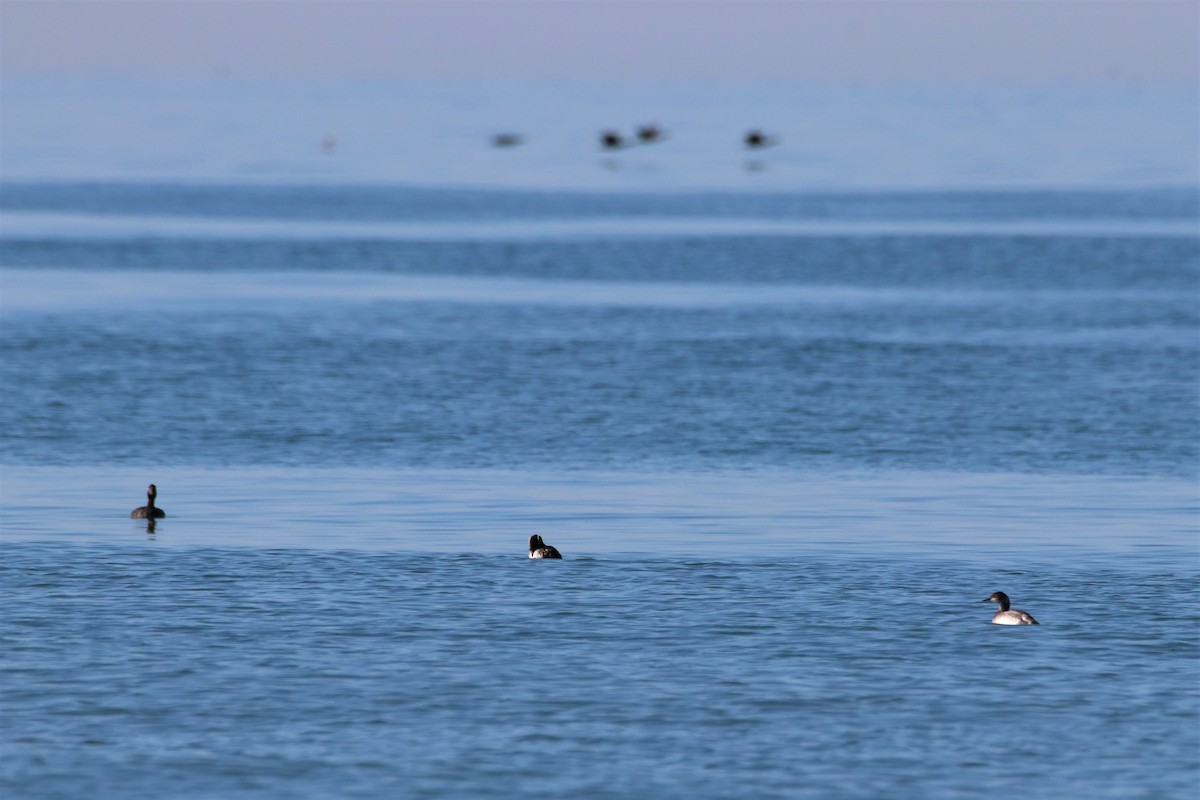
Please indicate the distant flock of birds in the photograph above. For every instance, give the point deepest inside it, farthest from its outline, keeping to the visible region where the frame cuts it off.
(1006, 615)
(753, 139)
(645, 134)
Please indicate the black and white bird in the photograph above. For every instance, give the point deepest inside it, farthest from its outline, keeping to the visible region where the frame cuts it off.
(1006, 615)
(539, 549)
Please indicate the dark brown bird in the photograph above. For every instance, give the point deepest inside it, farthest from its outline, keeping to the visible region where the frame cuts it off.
(756, 140)
(611, 140)
(507, 140)
(148, 511)
(649, 134)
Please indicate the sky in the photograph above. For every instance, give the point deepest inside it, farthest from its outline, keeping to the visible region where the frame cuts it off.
(1127, 42)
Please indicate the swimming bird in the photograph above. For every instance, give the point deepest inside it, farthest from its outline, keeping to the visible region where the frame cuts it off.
(507, 140)
(539, 549)
(148, 511)
(611, 140)
(649, 134)
(1007, 616)
(756, 139)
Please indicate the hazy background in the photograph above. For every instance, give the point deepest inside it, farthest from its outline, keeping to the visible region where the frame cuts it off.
(862, 95)
(1130, 43)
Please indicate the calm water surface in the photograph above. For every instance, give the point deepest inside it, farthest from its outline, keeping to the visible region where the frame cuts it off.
(787, 442)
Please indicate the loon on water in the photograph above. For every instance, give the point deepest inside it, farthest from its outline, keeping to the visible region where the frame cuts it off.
(1007, 616)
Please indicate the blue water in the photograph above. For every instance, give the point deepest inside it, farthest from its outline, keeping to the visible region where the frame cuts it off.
(787, 439)
(136, 671)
